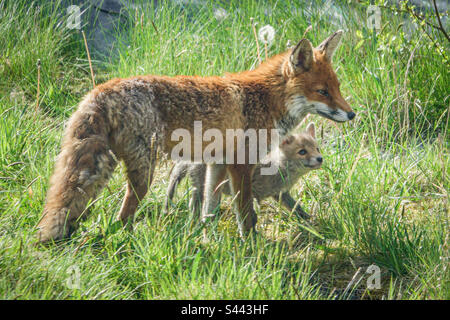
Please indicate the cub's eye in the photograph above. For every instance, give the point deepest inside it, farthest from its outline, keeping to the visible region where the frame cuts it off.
(302, 152)
(323, 92)
(318, 150)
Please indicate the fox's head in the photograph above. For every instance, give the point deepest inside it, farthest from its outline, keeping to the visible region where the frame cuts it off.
(311, 83)
(303, 148)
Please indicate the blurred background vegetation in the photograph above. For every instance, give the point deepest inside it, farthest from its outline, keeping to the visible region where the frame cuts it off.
(382, 196)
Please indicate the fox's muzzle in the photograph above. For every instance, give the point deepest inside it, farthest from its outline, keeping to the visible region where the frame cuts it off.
(337, 115)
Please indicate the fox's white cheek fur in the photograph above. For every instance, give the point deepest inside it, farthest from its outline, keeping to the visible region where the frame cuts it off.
(297, 108)
(337, 114)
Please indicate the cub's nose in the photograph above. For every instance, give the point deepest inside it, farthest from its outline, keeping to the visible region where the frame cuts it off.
(319, 159)
(351, 115)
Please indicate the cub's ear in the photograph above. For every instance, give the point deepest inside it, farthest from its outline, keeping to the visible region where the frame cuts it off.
(287, 140)
(302, 56)
(329, 45)
(311, 130)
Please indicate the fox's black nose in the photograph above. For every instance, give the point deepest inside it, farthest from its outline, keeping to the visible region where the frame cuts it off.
(351, 115)
(319, 159)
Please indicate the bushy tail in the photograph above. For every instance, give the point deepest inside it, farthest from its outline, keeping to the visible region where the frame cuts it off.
(83, 167)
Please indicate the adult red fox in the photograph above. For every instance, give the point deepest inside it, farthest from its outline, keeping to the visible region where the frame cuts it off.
(122, 117)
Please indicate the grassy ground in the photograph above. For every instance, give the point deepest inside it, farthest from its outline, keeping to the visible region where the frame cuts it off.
(381, 198)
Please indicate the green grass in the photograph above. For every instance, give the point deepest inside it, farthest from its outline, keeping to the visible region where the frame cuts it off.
(381, 198)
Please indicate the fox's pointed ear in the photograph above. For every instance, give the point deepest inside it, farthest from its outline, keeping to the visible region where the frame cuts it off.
(302, 56)
(311, 129)
(287, 140)
(329, 45)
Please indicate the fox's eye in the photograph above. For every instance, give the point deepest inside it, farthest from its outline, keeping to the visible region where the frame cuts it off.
(323, 92)
(318, 150)
(302, 152)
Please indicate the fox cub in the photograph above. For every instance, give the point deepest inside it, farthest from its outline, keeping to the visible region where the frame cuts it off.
(297, 155)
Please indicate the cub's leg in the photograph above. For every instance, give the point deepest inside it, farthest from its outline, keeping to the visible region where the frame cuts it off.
(197, 173)
(215, 174)
(289, 203)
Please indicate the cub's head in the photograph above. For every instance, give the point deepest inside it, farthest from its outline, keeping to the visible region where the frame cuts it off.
(303, 147)
(311, 83)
